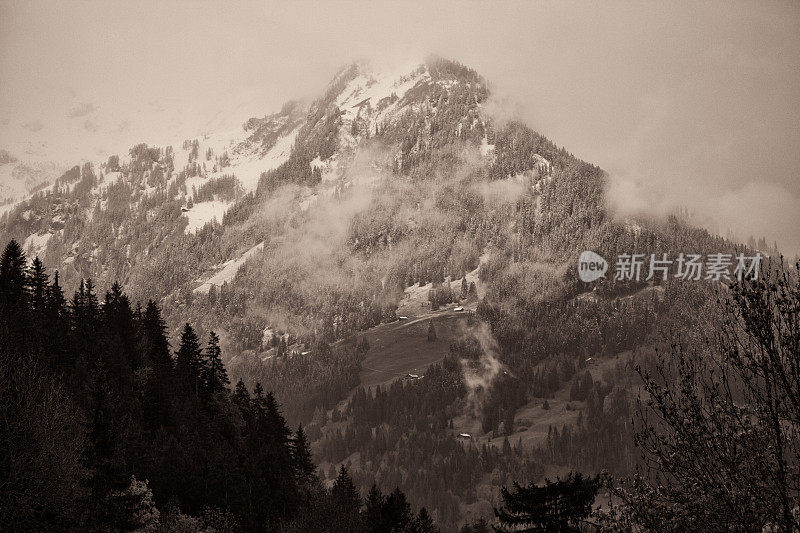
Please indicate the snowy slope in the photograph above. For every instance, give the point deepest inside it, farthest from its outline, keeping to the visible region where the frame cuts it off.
(227, 270)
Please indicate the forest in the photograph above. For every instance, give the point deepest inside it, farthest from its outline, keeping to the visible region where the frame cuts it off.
(106, 428)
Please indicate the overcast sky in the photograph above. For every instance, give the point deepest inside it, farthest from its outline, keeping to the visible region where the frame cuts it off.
(694, 104)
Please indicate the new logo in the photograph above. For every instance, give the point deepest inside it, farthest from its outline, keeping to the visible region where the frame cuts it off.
(591, 266)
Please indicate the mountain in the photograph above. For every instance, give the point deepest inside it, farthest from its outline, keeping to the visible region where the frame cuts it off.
(366, 127)
(20, 178)
(398, 267)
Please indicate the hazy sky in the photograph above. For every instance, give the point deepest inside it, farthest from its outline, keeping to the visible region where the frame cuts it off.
(694, 104)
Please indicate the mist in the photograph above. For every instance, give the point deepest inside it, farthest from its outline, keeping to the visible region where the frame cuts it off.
(689, 105)
(479, 375)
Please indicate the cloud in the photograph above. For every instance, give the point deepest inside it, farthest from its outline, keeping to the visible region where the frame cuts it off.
(684, 103)
(507, 190)
(122, 127)
(479, 376)
(34, 126)
(754, 209)
(81, 110)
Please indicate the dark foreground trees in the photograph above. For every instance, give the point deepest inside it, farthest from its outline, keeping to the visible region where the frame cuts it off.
(103, 429)
(561, 505)
(720, 427)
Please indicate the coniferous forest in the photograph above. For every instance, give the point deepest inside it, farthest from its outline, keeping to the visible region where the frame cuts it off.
(106, 427)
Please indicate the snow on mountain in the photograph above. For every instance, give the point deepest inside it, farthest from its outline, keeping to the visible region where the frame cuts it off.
(328, 139)
(35, 243)
(248, 168)
(227, 271)
(204, 212)
(18, 178)
(377, 95)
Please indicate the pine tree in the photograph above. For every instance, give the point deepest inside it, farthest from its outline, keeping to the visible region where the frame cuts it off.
(423, 523)
(118, 317)
(85, 314)
(104, 457)
(372, 515)
(508, 421)
(345, 504)
(12, 271)
(559, 505)
(13, 299)
(154, 340)
(188, 362)
(157, 408)
(55, 328)
(396, 511)
(301, 457)
(241, 397)
(37, 280)
(269, 457)
(275, 423)
(133, 508)
(214, 376)
(473, 291)
(363, 345)
(56, 303)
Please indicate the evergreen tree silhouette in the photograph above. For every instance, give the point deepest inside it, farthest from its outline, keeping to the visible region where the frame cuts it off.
(188, 362)
(560, 505)
(345, 504)
(214, 376)
(301, 457)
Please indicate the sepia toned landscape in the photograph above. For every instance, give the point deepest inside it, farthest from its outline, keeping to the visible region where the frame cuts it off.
(248, 285)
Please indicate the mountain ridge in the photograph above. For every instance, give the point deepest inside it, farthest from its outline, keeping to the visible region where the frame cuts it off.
(366, 132)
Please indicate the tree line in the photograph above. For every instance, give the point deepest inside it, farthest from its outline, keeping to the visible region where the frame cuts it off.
(104, 428)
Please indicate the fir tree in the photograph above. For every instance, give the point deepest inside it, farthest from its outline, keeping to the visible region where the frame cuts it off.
(12, 271)
(301, 457)
(188, 362)
(372, 515)
(396, 511)
(214, 376)
(154, 349)
(37, 280)
(56, 303)
(13, 300)
(423, 523)
(560, 505)
(118, 318)
(154, 340)
(345, 504)
(241, 397)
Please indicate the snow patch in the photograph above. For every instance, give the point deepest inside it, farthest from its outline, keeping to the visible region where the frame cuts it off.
(248, 169)
(35, 244)
(204, 212)
(228, 270)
